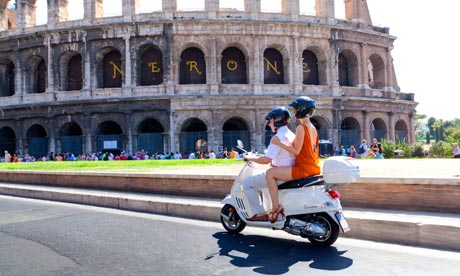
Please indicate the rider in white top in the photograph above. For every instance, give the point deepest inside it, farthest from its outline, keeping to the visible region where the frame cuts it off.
(278, 119)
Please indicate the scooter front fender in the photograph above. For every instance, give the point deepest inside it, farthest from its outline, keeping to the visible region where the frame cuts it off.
(227, 200)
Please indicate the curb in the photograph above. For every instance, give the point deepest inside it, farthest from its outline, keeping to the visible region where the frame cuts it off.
(409, 228)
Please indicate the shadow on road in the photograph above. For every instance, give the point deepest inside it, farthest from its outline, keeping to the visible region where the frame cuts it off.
(275, 256)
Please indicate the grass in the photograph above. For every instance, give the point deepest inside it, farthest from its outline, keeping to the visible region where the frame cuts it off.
(116, 166)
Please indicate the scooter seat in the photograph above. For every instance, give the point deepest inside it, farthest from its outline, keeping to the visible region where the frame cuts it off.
(302, 182)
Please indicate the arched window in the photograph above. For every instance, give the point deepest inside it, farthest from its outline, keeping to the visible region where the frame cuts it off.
(70, 137)
(150, 136)
(37, 142)
(273, 67)
(310, 68)
(7, 87)
(193, 136)
(236, 129)
(40, 78)
(112, 70)
(233, 66)
(151, 67)
(109, 137)
(348, 68)
(74, 73)
(192, 67)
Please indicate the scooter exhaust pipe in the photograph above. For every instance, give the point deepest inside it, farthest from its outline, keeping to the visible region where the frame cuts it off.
(312, 229)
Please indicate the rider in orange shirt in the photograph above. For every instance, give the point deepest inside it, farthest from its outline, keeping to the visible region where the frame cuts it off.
(305, 148)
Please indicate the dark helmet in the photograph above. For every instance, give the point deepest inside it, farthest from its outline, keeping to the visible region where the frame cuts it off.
(281, 116)
(304, 107)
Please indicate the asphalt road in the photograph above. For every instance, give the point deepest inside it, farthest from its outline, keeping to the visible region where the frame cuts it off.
(51, 238)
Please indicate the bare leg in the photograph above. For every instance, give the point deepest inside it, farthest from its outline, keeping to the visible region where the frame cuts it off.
(272, 175)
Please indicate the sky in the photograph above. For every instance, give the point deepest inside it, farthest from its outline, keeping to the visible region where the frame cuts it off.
(425, 54)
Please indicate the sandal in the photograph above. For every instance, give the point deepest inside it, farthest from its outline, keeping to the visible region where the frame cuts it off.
(274, 215)
(262, 217)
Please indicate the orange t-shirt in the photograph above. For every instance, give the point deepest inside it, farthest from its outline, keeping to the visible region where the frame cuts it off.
(307, 161)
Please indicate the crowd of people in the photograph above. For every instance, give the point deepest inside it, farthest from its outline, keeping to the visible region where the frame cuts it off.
(106, 156)
(363, 151)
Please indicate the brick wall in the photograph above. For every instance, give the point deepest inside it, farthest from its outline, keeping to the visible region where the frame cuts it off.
(434, 195)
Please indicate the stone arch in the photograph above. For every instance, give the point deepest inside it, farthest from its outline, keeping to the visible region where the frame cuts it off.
(192, 68)
(378, 129)
(234, 129)
(348, 68)
(233, 66)
(71, 70)
(376, 73)
(37, 141)
(70, 138)
(193, 136)
(109, 68)
(150, 134)
(150, 65)
(401, 131)
(322, 63)
(321, 126)
(7, 78)
(310, 68)
(273, 66)
(7, 140)
(37, 74)
(350, 132)
(109, 137)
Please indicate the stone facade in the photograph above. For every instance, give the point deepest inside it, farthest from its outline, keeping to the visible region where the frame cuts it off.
(186, 80)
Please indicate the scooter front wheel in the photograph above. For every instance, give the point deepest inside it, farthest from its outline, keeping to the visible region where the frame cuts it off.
(231, 220)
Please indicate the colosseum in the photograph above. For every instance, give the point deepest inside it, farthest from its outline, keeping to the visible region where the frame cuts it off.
(173, 79)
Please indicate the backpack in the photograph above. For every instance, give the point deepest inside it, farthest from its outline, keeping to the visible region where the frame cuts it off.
(360, 149)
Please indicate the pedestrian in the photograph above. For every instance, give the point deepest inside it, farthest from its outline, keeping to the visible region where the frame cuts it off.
(7, 156)
(455, 151)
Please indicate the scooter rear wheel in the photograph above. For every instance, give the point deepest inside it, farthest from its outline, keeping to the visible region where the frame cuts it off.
(332, 231)
(231, 220)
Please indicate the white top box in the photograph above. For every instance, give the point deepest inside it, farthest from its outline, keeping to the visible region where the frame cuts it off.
(340, 170)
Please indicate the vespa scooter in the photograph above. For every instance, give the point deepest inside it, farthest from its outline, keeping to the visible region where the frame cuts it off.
(312, 209)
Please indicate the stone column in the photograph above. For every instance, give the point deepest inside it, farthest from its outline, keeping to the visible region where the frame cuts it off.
(92, 10)
(211, 64)
(290, 8)
(52, 139)
(19, 137)
(364, 76)
(252, 7)
(357, 11)
(127, 85)
(53, 13)
(89, 135)
(366, 127)
(325, 8)
(258, 66)
(88, 76)
(50, 72)
(297, 65)
(128, 10)
(25, 14)
(391, 127)
(389, 86)
(212, 7)
(129, 131)
(173, 137)
(410, 130)
(169, 8)
(18, 78)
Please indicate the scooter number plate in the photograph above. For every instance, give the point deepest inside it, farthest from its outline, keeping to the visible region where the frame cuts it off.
(343, 222)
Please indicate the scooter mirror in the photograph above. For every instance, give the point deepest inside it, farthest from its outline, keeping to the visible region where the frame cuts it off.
(240, 144)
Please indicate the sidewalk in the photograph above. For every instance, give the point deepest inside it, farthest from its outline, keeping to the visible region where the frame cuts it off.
(411, 228)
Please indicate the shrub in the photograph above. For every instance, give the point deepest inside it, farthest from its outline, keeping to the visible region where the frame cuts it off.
(416, 150)
(441, 149)
(388, 148)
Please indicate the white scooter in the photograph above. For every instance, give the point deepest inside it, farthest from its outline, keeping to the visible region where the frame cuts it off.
(312, 209)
